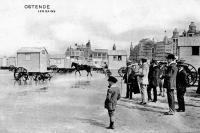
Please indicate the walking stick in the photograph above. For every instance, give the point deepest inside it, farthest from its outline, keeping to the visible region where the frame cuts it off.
(121, 87)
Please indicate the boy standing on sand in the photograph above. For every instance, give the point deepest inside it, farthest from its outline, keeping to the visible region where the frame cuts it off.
(113, 94)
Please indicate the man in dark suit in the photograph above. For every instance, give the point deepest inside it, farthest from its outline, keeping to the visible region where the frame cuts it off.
(154, 79)
(113, 95)
(181, 84)
(170, 82)
(127, 81)
(198, 88)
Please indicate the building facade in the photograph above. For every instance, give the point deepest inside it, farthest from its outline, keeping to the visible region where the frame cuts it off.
(80, 52)
(155, 50)
(12, 61)
(100, 57)
(59, 60)
(4, 61)
(189, 46)
(117, 59)
(75, 54)
(163, 48)
(144, 49)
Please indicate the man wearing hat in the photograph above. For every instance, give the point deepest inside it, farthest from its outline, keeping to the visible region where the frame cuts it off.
(170, 82)
(181, 84)
(127, 81)
(143, 79)
(198, 88)
(113, 95)
(154, 79)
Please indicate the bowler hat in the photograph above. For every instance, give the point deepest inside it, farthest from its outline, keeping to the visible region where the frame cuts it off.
(112, 79)
(181, 63)
(154, 61)
(144, 60)
(170, 56)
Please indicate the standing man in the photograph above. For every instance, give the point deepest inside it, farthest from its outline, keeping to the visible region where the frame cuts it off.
(127, 81)
(130, 74)
(143, 80)
(150, 86)
(170, 82)
(181, 84)
(113, 95)
(198, 88)
(154, 79)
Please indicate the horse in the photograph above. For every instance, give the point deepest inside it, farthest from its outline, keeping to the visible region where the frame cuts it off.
(78, 68)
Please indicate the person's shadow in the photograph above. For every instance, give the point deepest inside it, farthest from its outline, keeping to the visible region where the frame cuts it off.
(92, 122)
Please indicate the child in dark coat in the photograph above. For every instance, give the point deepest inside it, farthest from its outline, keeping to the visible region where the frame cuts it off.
(113, 95)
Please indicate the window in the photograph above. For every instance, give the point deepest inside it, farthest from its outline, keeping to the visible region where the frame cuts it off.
(190, 35)
(114, 58)
(195, 50)
(119, 58)
(27, 56)
(175, 40)
(99, 54)
(152, 50)
(95, 54)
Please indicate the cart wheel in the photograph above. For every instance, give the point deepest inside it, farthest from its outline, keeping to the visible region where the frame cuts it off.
(192, 74)
(48, 76)
(19, 72)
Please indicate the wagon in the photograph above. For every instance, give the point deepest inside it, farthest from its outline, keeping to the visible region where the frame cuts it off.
(32, 63)
(59, 63)
(56, 69)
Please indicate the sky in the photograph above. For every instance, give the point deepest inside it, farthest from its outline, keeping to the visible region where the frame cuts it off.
(103, 22)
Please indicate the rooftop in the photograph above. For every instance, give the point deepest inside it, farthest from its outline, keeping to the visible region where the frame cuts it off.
(100, 50)
(117, 52)
(57, 56)
(31, 50)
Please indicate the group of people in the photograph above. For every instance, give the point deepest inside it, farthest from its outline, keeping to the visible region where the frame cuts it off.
(170, 76)
(144, 77)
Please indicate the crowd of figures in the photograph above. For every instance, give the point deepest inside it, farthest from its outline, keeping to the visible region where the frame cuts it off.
(165, 76)
(142, 78)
